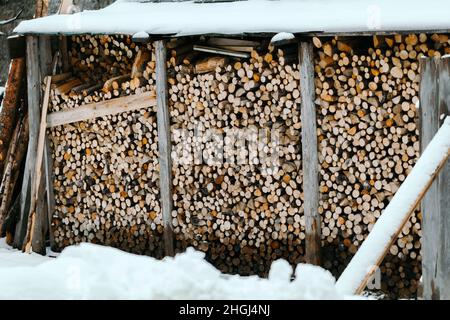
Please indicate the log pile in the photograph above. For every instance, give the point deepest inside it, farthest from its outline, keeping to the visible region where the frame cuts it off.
(230, 201)
(106, 170)
(241, 208)
(367, 100)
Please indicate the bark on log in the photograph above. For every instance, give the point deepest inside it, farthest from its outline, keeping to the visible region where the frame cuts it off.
(10, 106)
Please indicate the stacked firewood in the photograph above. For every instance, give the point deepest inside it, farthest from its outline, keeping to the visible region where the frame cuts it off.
(368, 143)
(106, 169)
(235, 123)
(242, 208)
(102, 57)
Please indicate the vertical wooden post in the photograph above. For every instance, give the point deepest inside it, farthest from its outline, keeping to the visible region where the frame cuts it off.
(164, 142)
(434, 101)
(443, 182)
(46, 205)
(33, 89)
(309, 154)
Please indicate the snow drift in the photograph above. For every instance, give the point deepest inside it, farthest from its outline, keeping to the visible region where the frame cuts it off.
(90, 271)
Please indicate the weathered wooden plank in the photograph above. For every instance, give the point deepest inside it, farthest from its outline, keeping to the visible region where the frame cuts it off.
(164, 145)
(429, 124)
(102, 109)
(46, 203)
(221, 51)
(33, 89)
(443, 189)
(35, 238)
(310, 160)
(385, 231)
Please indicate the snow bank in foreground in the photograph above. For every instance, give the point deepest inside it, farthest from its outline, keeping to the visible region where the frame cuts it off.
(89, 271)
(10, 258)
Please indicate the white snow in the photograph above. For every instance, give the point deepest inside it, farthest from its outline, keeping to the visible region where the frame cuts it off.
(90, 271)
(253, 16)
(282, 36)
(395, 215)
(141, 35)
(2, 89)
(10, 258)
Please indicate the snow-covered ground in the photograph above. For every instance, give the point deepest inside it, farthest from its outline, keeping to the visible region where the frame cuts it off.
(90, 271)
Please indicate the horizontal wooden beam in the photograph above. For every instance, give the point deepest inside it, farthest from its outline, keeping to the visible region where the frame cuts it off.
(222, 51)
(102, 109)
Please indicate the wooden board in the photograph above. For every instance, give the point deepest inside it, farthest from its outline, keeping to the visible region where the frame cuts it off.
(435, 102)
(101, 109)
(221, 51)
(33, 89)
(165, 162)
(309, 155)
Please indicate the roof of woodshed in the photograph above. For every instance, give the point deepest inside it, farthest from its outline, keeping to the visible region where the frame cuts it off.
(252, 16)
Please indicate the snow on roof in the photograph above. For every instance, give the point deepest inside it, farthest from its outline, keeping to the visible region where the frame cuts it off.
(253, 16)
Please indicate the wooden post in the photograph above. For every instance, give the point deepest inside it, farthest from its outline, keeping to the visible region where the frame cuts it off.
(165, 162)
(434, 102)
(35, 238)
(310, 160)
(444, 186)
(48, 67)
(38, 207)
(33, 89)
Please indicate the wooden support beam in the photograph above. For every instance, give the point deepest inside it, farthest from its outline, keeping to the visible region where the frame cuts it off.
(46, 205)
(385, 231)
(35, 239)
(102, 109)
(33, 89)
(310, 160)
(444, 187)
(434, 102)
(164, 142)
